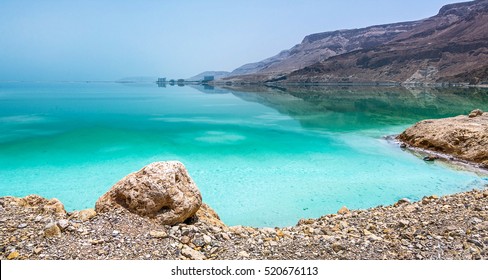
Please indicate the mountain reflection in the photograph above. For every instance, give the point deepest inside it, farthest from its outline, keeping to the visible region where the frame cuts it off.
(345, 108)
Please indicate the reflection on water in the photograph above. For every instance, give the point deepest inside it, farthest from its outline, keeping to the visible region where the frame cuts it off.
(366, 107)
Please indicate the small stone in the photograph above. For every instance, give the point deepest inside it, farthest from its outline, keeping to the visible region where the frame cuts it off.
(101, 252)
(38, 218)
(404, 223)
(84, 215)
(185, 239)
(199, 242)
(373, 237)
(13, 255)
(343, 211)
(158, 234)
(404, 201)
(475, 221)
(273, 243)
(337, 247)
(192, 254)
(37, 250)
(451, 228)
(409, 208)
(216, 229)
(63, 224)
(207, 239)
(430, 158)
(22, 225)
(268, 230)
(243, 254)
(51, 230)
(225, 236)
(403, 145)
(475, 113)
(115, 233)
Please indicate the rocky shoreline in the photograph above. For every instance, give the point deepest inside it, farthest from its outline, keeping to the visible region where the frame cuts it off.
(450, 227)
(158, 213)
(463, 138)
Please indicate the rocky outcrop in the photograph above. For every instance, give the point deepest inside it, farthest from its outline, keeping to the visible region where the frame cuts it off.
(465, 137)
(208, 216)
(161, 190)
(41, 204)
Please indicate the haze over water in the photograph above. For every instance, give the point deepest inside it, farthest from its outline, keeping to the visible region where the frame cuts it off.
(260, 156)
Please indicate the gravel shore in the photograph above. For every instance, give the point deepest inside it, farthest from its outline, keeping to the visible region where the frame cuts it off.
(450, 227)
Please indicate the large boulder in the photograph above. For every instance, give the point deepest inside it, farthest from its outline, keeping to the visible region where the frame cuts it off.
(462, 136)
(161, 190)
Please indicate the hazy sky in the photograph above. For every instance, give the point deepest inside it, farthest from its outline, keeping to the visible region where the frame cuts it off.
(108, 40)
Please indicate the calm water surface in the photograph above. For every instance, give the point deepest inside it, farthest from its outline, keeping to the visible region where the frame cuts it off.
(260, 156)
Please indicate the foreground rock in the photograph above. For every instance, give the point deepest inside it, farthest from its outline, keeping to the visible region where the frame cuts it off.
(465, 137)
(162, 190)
(450, 227)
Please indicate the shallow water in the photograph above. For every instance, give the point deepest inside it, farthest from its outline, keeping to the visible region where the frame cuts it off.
(260, 156)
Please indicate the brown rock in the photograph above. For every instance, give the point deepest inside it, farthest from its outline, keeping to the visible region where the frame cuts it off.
(52, 230)
(84, 215)
(337, 247)
(343, 211)
(185, 239)
(463, 137)
(208, 216)
(192, 254)
(13, 255)
(52, 206)
(161, 190)
(475, 113)
(158, 234)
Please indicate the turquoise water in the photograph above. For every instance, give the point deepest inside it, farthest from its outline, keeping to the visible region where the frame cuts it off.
(260, 156)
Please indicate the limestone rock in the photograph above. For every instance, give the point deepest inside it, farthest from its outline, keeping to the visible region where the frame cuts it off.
(192, 254)
(343, 211)
(13, 255)
(63, 224)
(51, 206)
(84, 215)
(462, 136)
(185, 239)
(158, 234)
(243, 254)
(161, 190)
(52, 230)
(475, 113)
(208, 216)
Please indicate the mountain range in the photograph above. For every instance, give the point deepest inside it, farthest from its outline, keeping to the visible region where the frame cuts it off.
(450, 47)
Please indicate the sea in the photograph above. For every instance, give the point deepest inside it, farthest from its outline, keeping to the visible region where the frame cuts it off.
(261, 156)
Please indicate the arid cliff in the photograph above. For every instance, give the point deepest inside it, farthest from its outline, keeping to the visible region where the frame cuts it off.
(450, 47)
